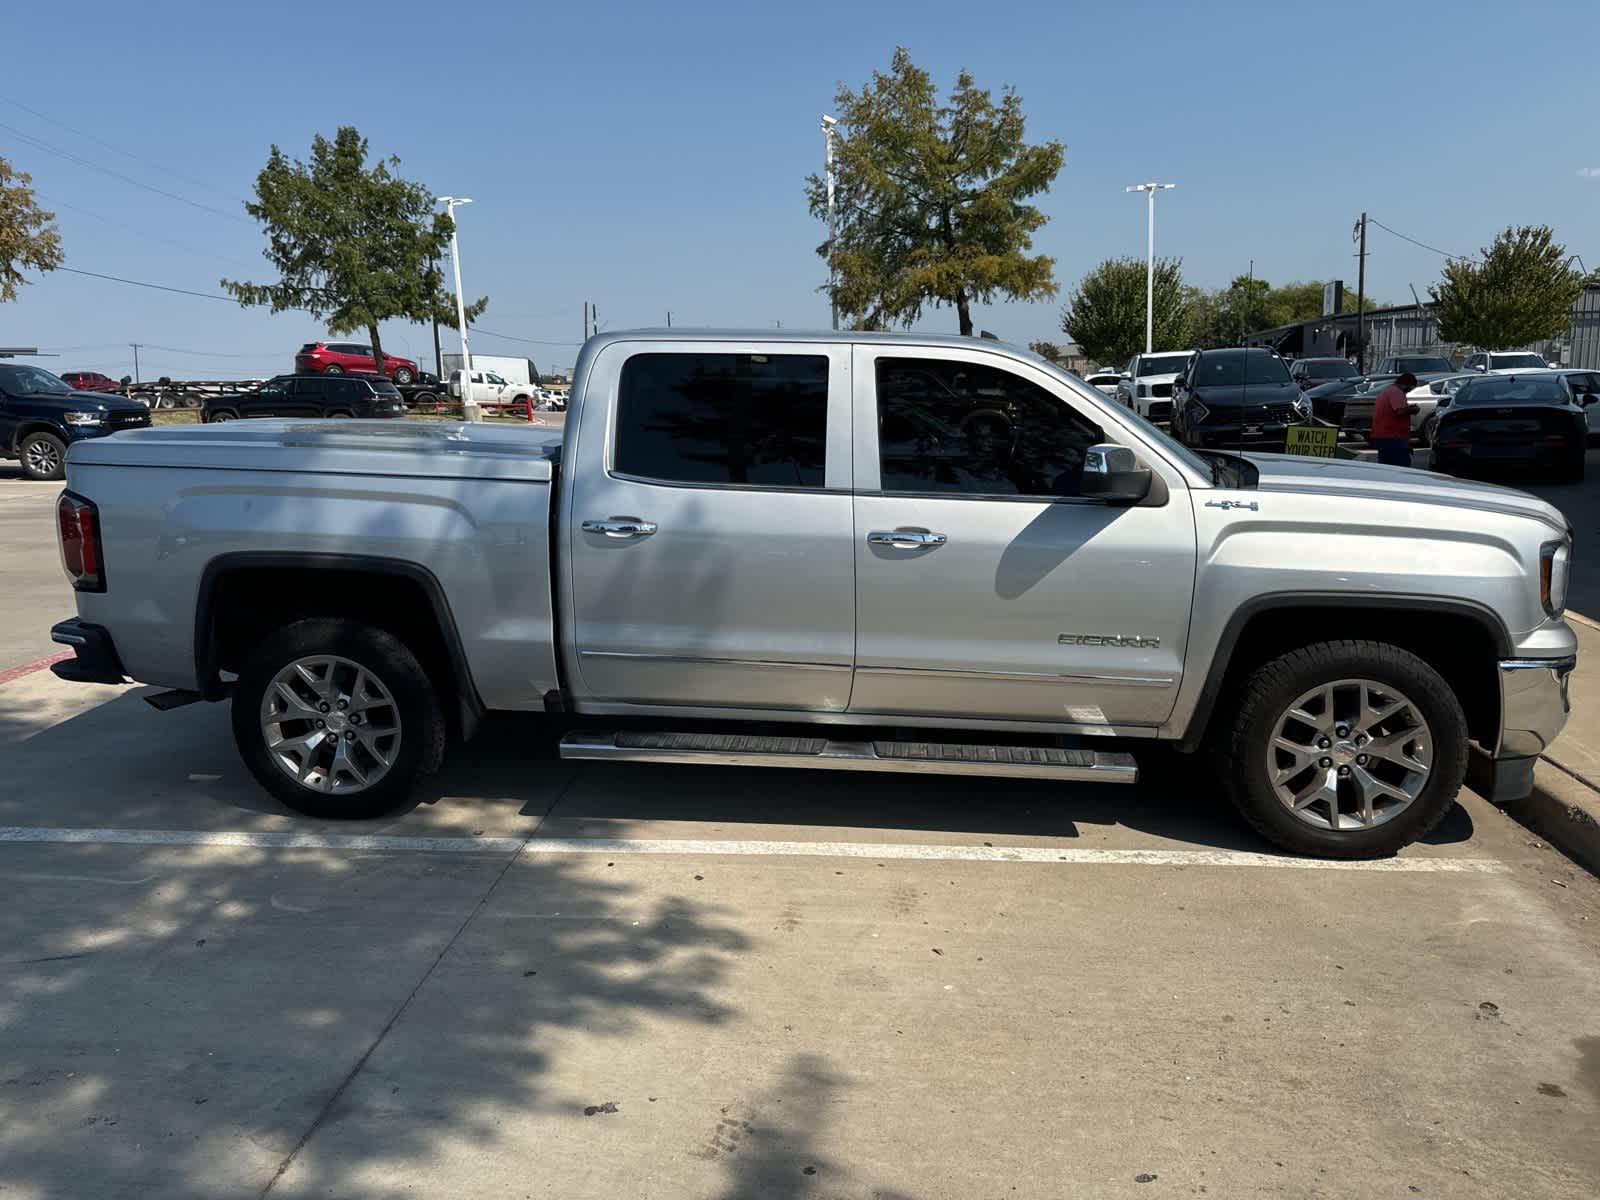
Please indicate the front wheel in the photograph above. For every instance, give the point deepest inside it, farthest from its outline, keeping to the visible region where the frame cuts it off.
(44, 456)
(333, 369)
(336, 718)
(1348, 749)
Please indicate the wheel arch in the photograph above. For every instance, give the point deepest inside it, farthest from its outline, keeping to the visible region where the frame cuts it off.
(1459, 638)
(244, 595)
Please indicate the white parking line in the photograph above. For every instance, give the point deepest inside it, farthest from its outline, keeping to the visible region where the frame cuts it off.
(1071, 855)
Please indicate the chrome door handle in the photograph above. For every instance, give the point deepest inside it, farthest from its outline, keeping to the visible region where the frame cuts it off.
(906, 539)
(621, 527)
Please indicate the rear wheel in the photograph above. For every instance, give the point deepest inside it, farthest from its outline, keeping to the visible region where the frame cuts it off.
(1349, 749)
(336, 718)
(341, 415)
(333, 369)
(44, 456)
(222, 414)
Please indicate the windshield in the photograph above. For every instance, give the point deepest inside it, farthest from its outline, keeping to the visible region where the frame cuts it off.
(1161, 364)
(1418, 364)
(32, 381)
(1232, 369)
(1501, 362)
(1331, 368)
(1505, 389)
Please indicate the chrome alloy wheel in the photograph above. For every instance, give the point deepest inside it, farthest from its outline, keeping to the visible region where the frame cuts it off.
(330, 725)
(1350, 754)
(42, 457)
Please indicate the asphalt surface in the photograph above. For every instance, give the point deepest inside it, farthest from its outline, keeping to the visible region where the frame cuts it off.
(590, 980)
(34, 593)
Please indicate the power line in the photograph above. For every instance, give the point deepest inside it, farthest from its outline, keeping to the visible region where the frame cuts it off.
(510, 338)
(156, 237)
(210, 353)
(48, 148)
(99, 141)
(160, 287)
(1414, 242)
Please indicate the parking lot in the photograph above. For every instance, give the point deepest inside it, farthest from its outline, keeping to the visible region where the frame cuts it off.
(592, 980)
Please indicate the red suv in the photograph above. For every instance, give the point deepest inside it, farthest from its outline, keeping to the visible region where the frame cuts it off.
(340, 358)
(91, 381)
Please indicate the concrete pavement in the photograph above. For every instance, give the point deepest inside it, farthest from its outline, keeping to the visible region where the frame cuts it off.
(31, 569)
(786, 984)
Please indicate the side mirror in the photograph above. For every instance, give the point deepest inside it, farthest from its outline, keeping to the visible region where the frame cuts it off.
(1123, 375)
(1590, 398)
(1113, 474)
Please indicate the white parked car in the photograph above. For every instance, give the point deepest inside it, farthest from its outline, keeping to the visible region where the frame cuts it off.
(1504, 362)
(1104, 380)
(1146, 384)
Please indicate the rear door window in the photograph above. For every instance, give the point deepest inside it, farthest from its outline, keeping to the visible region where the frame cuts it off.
(733, 420)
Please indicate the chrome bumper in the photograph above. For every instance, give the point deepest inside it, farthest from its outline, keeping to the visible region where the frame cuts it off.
(1533, 704)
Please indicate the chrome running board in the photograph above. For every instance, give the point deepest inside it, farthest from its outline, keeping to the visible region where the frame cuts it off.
(935, 758)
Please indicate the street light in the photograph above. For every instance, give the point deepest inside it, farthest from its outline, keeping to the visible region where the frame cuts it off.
(469, 407)
(829, 125)
(1150, 260)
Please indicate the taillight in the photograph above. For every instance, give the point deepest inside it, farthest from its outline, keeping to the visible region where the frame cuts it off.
(78, 523)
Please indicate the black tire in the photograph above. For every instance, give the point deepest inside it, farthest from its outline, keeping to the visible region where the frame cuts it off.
(44, 456)
(1267, 694)
(341, 415)
(222, 414)
(422, 723)
(404, 375)
(333, 369)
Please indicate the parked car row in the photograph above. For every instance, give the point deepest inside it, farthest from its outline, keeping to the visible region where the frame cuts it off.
(309, 396)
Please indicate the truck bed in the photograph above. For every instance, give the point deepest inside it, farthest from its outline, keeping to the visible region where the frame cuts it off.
(465, 506)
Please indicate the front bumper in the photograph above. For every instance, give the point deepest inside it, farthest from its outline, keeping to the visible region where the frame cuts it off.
(96, 658)
(1269, 437)
(1534, 706)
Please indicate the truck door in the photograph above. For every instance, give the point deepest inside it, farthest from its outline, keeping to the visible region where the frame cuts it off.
(708, 527)
(986, 586)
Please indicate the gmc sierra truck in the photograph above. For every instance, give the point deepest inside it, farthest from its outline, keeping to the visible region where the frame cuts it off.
(845, 551)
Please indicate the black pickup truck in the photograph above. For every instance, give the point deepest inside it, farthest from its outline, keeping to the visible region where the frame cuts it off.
(41, 415)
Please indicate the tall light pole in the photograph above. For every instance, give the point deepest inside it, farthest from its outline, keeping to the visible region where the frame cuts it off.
(1150, 189)
(468, 407)
(829, 125)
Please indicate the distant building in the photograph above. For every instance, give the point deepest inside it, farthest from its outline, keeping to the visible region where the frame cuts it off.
(1414, 329)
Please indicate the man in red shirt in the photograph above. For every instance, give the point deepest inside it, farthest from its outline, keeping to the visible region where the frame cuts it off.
(1391, 422)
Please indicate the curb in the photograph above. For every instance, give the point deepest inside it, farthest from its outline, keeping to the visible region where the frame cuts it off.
(1565, 811)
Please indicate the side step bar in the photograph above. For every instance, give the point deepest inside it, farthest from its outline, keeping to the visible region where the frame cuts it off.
(936, 758)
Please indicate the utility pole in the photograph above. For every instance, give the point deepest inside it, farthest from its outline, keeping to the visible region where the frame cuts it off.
(136, 347)
(1360, 231)
(586, 320)
(669, 318)
(469, 402)
(829, 125)
(438, 358)
(1150, 190)
(594, 315)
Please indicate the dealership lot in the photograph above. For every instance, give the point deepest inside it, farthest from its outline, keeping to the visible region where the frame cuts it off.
(604, 980)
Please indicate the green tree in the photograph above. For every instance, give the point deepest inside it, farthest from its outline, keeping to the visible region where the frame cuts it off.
(354, 245)
(930, 200)
(28, 240)
(1105, 314)
(1521, 292)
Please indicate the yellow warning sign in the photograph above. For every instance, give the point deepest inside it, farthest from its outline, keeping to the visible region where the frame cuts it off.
(1317, 441)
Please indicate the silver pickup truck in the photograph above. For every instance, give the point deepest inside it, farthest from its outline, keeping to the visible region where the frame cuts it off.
(847, 551)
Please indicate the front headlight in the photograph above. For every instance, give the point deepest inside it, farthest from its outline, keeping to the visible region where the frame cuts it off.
(1144, 389)
(1302, 406)
(1555, 562)
(83, 418)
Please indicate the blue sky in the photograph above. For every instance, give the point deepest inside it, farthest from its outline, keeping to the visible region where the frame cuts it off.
(650, 157)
